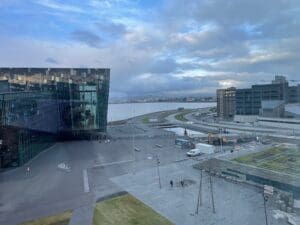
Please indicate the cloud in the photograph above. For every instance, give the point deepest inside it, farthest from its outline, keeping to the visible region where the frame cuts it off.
(174, 47)
(51, 60)
(86, 37)
(229, 13)
(8, 2)
(163, 66)
(166, 84)
(55, 5)
(110, 29)
(108, 3)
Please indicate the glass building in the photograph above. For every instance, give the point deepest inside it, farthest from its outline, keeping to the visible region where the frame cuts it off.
(40, 105)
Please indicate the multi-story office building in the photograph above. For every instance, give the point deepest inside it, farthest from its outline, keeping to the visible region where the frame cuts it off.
(294, 94)
(279, 80)
(226, 102)
(40, 105)
(249, 101)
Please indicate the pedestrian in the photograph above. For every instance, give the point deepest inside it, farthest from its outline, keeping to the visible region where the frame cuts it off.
(171, 183)
(182, 183)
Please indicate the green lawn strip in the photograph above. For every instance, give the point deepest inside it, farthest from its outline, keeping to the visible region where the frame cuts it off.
(126, 210)
(275, 166)
(180, 116)
(163, 115)
(60, 219)
(276, 159)
(145, 120)
(256, 158)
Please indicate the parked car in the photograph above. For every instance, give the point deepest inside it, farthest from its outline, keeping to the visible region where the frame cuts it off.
(194, 152)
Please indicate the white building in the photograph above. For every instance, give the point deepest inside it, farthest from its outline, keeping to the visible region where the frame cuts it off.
(292, 111)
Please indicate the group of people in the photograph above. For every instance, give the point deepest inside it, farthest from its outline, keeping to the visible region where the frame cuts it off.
(172, 183)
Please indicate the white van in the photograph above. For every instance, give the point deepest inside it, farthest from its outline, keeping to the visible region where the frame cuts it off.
(194, 152)
(205, 148)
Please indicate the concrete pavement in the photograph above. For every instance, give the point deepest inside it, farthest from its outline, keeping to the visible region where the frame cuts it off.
(235, 204)
(48, 190)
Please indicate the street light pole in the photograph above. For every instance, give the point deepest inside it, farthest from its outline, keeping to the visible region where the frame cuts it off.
(133, 141)
(212, 194)
(199, 193)
(221, 139)
(133, 149)
(158, 172)
(265, 208)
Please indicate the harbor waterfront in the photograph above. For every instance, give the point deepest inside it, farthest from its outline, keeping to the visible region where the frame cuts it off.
(127, 110)
(131, 112)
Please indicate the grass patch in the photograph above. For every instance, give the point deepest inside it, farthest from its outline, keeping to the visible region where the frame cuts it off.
(278, 159)
(180, 116)
(126, 210)
(146, 120)
(60, 219)
(213, 109)
(255, 158)
(162, 116)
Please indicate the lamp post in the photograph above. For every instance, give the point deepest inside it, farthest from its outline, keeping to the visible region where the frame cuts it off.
(221, 139)
(212, 194)
(265, 208)
(158, 172)
(133, 151)
(151, 157)
(133, 141)
(199, 201)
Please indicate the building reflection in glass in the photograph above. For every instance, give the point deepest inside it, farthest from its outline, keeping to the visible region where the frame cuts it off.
(39, 106)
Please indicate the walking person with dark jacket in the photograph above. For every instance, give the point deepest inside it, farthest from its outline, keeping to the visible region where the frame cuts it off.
(182, 183)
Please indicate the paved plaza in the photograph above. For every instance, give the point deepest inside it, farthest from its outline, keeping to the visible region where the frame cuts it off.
(235, 204)
(47, 189)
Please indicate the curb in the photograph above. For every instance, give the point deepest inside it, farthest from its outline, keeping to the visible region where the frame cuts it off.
(117, 194)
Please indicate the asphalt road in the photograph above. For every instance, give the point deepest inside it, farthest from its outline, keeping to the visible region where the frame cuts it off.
(46, 190)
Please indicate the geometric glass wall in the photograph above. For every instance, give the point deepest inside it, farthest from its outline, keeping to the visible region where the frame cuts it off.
(41, 105)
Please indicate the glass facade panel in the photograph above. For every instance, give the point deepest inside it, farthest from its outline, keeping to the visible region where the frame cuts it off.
(39, 106)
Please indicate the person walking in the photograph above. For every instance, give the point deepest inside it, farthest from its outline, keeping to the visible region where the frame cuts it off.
(182, 183)
(171, 183)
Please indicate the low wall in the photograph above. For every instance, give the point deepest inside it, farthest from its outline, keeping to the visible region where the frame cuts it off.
(252, 174)
(291, 124)
(245, 119)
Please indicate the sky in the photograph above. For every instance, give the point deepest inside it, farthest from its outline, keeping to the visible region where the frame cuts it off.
(164, 48)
